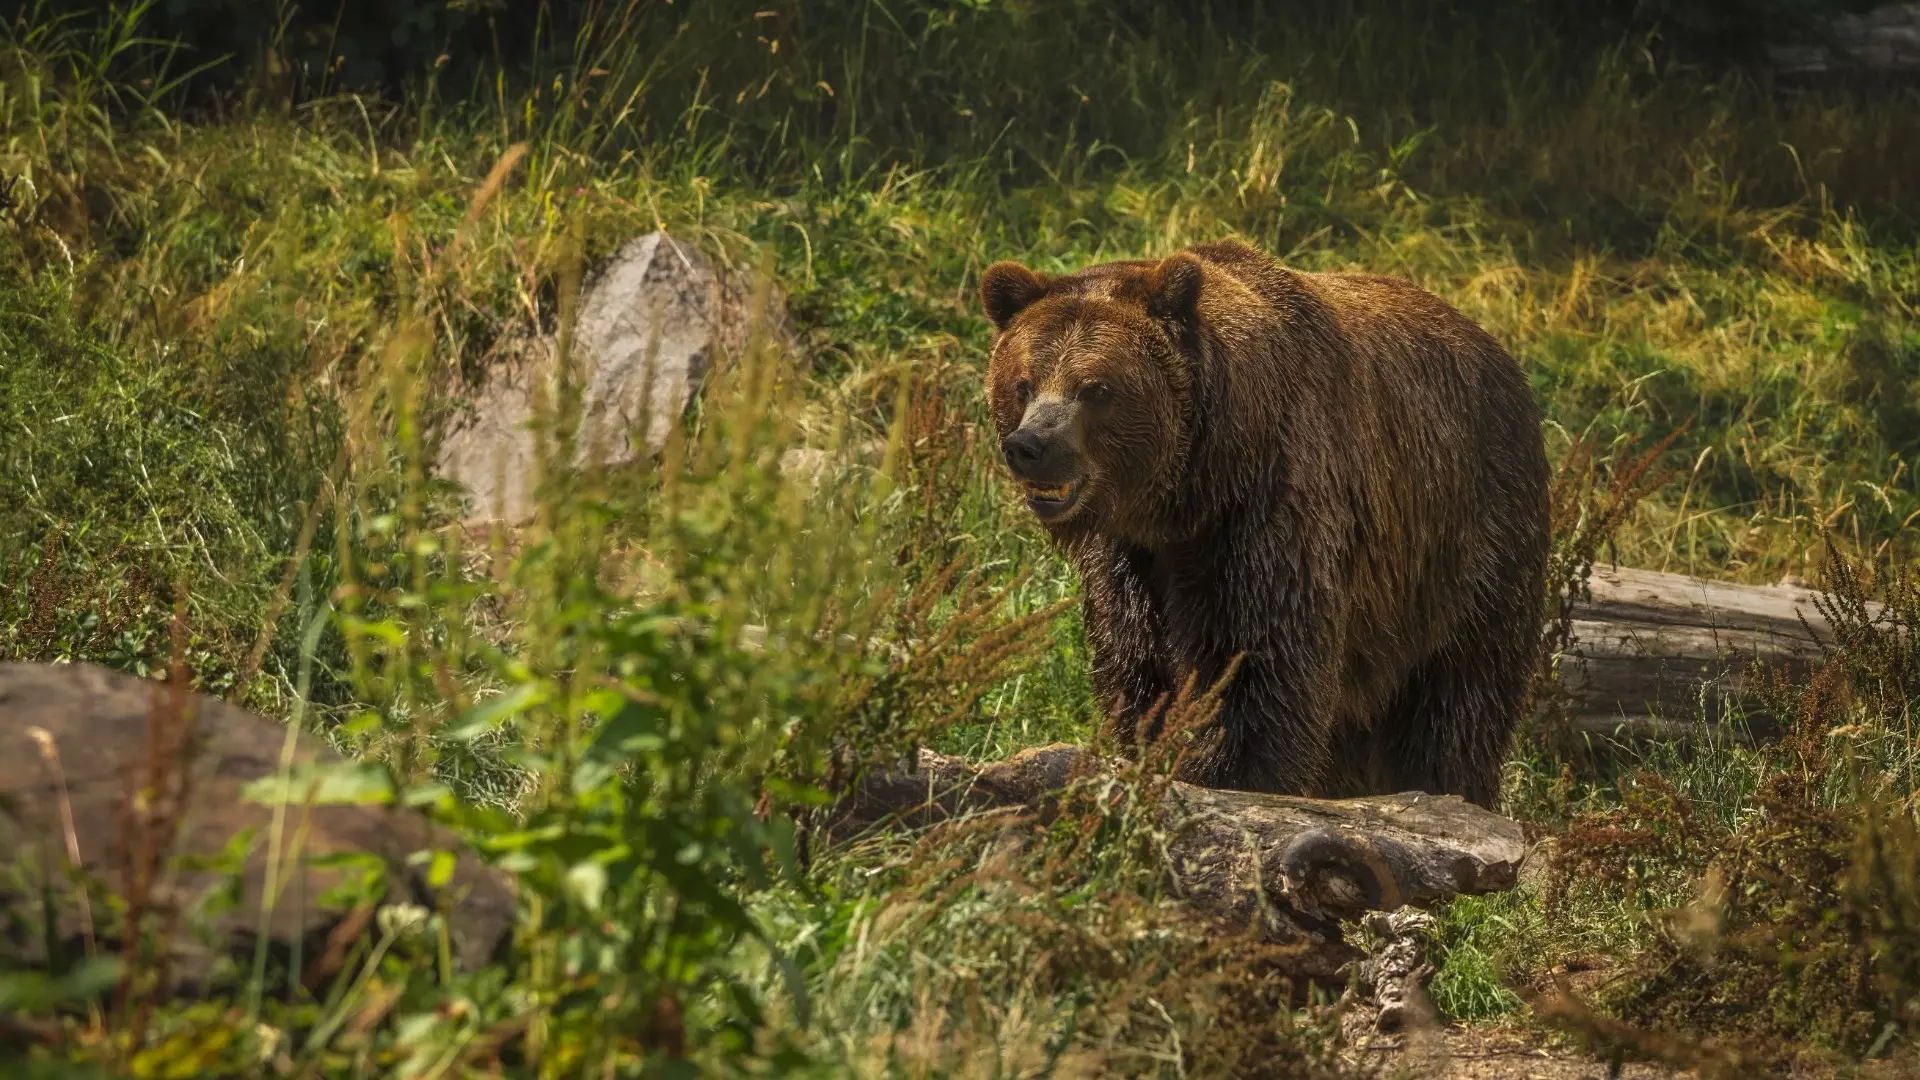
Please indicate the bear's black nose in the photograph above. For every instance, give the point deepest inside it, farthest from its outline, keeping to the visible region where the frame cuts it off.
(1025, 450)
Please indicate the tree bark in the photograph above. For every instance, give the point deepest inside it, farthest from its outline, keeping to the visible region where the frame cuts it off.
(1288, 868)
(1668, 656)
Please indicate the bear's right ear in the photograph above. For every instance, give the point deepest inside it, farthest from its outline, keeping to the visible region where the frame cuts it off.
(1006, 289)
(1173, 288)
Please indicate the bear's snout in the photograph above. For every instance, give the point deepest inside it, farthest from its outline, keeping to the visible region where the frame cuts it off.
(1025, 451)
(1044, 455)
(1042, 450)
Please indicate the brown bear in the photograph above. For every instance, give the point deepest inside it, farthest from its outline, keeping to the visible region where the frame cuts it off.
(1336, 478)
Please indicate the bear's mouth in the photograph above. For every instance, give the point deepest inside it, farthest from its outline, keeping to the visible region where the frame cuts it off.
(1052, 503)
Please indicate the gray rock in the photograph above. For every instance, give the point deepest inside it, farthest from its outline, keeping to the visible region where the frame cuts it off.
(489, 449)
(101, 761)
(650, 323)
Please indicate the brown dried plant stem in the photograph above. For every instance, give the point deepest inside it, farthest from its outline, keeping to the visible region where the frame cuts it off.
(50, 757)
(155, 804)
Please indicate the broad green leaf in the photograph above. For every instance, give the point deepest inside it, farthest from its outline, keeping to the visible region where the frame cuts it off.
(432, 794)
(30, 991)
(324, 783)
(636, 728)
(587, 881)
(492, 713)
(440, 864)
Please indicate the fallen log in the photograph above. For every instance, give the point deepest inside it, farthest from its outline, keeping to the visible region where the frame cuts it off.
(1669, 656)
(1291, 869)
(1884, 39)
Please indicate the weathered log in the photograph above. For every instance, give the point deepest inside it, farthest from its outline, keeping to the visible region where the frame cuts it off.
(1291, 868)
(1883, 39)
(1656, 654)
(1651, 654)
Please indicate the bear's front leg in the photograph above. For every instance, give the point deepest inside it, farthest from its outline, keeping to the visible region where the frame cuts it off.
(1272, 732)
(1123, 636)
(1260, 600)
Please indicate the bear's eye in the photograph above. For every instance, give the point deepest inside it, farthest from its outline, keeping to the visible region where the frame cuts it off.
(1095, 393)
(1023, 391)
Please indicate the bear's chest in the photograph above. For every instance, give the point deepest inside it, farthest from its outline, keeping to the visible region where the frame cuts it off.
(1185, 592)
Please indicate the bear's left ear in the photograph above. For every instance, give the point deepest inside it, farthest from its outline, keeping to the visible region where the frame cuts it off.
(1173, 288)
(1006, 289)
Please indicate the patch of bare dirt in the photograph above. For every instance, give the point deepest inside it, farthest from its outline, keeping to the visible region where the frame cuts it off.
(1492, 1052)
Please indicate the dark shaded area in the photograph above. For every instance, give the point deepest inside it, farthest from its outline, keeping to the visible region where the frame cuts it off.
(361, 44)
(1444, 95)
(1035, 92)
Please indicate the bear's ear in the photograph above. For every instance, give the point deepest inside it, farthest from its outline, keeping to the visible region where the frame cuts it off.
(1173, 288)
(1006, 289)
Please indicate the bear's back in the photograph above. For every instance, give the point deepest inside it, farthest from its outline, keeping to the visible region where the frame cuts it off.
(1404, 435)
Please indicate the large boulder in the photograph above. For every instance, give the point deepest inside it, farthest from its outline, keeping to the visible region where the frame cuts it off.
(649, 325)
(135, 774)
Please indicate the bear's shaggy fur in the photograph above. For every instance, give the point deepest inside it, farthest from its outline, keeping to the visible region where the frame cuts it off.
(1336, 477)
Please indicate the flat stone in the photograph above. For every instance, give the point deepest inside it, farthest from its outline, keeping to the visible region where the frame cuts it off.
(132, 753)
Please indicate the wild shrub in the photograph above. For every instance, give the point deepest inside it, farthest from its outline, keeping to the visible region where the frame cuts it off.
(1794, 932)
(1591, 502)
(679, 666)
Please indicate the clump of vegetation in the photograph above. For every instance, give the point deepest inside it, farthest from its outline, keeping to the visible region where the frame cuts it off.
(1789, 931)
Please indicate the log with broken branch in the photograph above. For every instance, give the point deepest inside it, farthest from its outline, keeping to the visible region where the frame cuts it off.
(1650, 653)
(1289, 869)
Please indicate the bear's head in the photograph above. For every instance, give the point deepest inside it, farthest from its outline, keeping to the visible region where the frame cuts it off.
(1090, 388)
